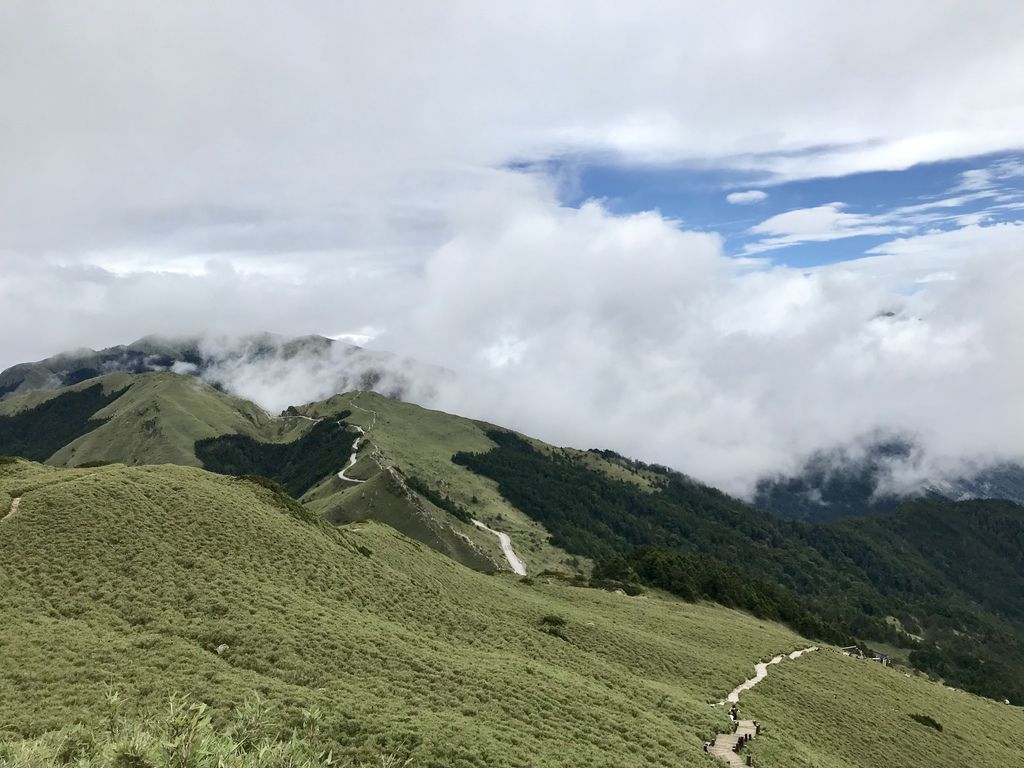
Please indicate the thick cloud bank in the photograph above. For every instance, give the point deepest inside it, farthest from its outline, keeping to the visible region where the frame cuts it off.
(587, 328)
(597, 330)
(346, 169)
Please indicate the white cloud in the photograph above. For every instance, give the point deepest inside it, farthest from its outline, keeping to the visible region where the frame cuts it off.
(986, 179)
(832, 221)
(177, 130)
(586, 328)
(175, 168)
(817, 225)
(745, 198)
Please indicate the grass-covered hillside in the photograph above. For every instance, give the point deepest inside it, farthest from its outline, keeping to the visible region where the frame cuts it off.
(157, 418)
(419, 443)
(150, 418)
(122, 586)
(864, 714)
(134, 578)
(941, 580)
(935, 584)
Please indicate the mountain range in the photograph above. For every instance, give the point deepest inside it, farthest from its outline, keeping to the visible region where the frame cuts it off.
(161, 517)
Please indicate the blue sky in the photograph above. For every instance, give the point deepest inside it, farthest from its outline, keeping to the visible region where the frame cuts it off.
(883, 205)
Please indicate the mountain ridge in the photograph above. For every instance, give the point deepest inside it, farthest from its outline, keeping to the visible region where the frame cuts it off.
(564, 508)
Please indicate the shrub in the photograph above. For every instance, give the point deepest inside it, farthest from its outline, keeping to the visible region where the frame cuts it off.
(927, 721)
(76, 743)
(281, 498)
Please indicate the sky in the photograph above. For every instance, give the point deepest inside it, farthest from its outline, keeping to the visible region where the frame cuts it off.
(718, 236)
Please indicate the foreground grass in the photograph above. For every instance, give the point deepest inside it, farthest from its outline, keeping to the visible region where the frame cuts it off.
(161, 579)
(367, 648)
(184, 735)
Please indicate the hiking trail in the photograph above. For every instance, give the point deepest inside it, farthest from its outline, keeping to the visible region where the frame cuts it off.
(352, 459)
(355, 445)
(726, 746)
(13, 509)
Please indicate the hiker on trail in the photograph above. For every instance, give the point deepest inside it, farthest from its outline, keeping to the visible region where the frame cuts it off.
(734, 713)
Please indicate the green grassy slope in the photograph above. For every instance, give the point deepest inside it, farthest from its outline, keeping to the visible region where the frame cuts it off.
(135, 576)
(420, 442)
(949, 572)
(162, 415)
(166, 418)
(157, 419)
(860, 715)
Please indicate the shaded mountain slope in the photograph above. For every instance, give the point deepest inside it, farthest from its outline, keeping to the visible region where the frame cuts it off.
(832, 485)
(871, 579)
(39, 432)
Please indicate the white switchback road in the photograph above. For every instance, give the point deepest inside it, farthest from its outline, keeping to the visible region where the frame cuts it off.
(352, 459)
(517, 565)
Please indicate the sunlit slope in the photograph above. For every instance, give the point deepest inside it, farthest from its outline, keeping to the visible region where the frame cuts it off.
(157, 419)
(832, 711)
(420, 443)
(136, 576)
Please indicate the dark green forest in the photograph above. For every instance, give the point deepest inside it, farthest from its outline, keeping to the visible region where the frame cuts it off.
(438, 499)
(38, 433)
(298, 465)
(950, 573)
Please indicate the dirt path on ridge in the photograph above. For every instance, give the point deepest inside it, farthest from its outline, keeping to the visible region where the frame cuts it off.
(355, 446)
(352, 459)
(13, 509)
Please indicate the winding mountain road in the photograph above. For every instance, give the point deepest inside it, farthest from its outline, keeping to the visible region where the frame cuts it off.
(517, 565)
(355, 445)
(352, 459)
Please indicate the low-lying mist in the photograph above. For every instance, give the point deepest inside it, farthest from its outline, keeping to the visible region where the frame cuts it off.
(586, 328)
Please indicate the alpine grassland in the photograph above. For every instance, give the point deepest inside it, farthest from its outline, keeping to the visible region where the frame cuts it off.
(833, 711)
(150, 418)
(420, 442)
(160, 581)
(941, 580)
(167, 616)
